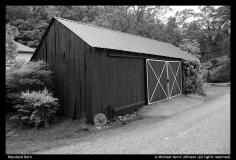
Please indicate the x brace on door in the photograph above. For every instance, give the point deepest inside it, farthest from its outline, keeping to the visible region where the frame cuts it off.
(174, 78)
(158, 80)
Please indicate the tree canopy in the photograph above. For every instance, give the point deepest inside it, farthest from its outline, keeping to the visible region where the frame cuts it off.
(11, 46)
(208, 35)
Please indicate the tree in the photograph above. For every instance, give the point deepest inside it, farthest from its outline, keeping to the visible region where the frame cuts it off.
(29, 76)
(172, 33)
(183, 15)
(221, 71)
(17, 12)
(216, 25)
(39, 13)
(31, 22)
(145, 18)
(30, 32)
(11, 46)
(114, 17)
(138, 20)
(191, 46)
(211, 28)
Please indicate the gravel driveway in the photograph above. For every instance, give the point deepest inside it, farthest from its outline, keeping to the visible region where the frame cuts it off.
(204, 129)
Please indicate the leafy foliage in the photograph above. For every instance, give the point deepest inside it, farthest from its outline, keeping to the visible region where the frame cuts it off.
(11, 49)
(204, 68)
(30, 31)
(31, 21)
(221, 73)
(207, 36)
(191, 46)
(215, 23)
(17, 12)
(11, 46)
(38, 108)
(191, 81)
(29, 76)
(199, 85)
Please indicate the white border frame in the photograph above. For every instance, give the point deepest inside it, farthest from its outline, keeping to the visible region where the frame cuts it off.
(180, 88)
(167, 96)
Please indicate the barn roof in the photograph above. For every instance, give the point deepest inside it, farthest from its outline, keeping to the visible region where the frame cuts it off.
(100, 37)
(105, 38)
(23, 48)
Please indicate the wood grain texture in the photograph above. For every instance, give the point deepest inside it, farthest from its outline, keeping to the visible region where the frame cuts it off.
(77, 76)
(117, 81)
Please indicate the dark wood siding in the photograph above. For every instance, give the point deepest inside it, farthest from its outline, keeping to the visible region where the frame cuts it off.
(116, 81)
(68, 57)
(89, 79)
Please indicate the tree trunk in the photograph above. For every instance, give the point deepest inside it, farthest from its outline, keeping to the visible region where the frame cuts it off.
(208, 77)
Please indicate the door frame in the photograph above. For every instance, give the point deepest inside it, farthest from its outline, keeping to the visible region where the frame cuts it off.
(168, 88)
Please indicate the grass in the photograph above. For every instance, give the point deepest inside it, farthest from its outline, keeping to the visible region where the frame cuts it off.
(25, 140)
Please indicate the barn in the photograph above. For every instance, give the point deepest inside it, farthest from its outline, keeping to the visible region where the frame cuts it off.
(96, 67)
(24, 52)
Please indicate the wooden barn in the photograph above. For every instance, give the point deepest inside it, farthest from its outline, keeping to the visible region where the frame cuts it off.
(95, 67)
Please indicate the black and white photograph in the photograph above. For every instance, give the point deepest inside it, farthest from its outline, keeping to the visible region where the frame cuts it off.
(118, 80)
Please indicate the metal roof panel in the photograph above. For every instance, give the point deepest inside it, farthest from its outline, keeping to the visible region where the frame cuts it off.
(23, 48)
(106, 38)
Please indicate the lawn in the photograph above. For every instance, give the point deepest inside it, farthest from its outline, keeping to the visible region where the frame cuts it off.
(24, 140)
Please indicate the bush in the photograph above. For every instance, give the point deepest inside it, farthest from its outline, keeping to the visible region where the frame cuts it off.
(28, 76)
(221, 73)
(39, 108)
(11, 46)
(192, 81)
(199, 86)
(203, 71)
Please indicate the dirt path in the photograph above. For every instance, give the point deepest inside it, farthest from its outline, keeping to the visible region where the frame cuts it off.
(203, 129)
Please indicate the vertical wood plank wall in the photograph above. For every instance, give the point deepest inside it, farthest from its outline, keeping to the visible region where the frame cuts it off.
(87, 80)
(68, 57)
(116, 81)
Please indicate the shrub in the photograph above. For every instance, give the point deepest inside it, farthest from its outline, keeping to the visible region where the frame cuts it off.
(15, 64)
(39, 108)
(203, 71)
(11, 46)
(192, 81)
(199, 86)
(29, 76)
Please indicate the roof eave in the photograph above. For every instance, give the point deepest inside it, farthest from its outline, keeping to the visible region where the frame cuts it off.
(25, 51)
